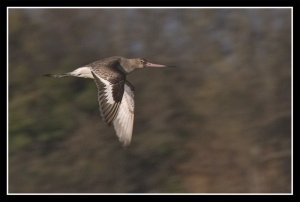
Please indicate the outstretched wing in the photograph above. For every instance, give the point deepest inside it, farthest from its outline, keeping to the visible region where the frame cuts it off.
(110, 93)
(123, 122)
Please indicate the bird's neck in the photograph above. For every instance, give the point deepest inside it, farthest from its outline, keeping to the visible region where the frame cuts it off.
(126, 66)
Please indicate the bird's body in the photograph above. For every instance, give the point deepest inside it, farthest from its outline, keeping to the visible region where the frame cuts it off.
(115, 93)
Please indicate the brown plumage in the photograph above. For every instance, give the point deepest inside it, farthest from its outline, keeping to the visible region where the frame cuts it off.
(115, 93)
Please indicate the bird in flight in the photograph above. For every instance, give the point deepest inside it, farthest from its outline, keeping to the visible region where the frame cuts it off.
(115, 93)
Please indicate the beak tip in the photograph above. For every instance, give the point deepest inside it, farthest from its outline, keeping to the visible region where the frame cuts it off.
(155, 65)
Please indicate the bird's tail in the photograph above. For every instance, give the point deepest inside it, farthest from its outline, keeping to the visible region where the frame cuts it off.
(58, 75)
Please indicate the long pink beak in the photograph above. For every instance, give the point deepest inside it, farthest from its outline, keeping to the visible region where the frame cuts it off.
(148, 64)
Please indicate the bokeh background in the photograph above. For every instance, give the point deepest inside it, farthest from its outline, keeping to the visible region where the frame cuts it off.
(220, 122)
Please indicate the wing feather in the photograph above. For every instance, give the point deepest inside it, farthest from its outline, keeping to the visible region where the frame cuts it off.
(108, 105)
(123, 122)
(116, 104)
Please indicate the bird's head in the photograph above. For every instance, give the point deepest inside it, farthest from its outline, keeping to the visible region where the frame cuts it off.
(142, 63)
(128, 65)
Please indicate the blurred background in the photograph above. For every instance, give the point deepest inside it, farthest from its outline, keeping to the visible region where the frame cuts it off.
(218, 123)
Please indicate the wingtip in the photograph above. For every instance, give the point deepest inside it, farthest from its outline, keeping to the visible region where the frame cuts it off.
(126, 144)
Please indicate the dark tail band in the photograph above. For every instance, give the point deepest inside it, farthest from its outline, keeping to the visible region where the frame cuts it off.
(57, 75)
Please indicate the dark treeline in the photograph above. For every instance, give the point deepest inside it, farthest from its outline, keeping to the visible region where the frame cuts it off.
(218, 122)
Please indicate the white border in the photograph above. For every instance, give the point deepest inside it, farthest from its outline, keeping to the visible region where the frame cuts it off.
(292, 115)
(7, 62)
(141, 7)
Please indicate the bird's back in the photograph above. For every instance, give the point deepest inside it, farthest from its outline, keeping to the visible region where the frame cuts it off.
(108, 68)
